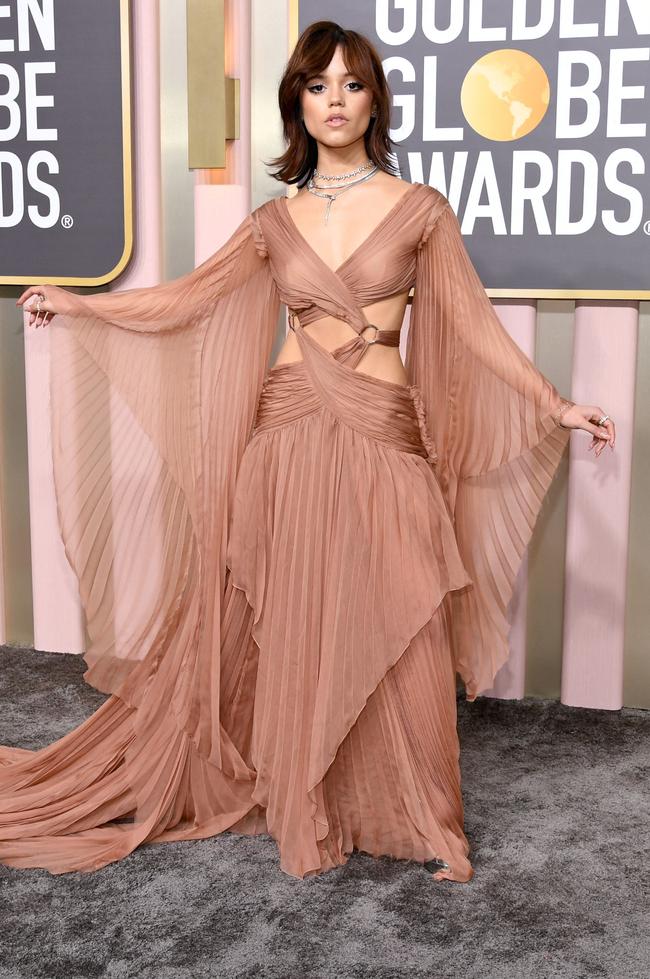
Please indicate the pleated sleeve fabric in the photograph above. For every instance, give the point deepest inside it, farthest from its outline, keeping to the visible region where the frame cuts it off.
(153, 397)
(494, 418)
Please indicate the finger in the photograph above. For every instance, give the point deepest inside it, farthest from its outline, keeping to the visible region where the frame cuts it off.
(37, 296)
(37, 317)
(24, 296)
(36, 300)
(598, 432)
(34, 312)
(603, 444)
(599, 413)
(610, 429)
(30, 291)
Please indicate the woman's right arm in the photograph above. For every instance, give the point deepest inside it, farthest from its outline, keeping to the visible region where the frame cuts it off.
(152, 309)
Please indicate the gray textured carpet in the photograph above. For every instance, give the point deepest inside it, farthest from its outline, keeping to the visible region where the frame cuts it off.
(556, 809)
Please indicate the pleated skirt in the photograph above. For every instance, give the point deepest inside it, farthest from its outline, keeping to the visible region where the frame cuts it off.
(335, 680)
(338, 685)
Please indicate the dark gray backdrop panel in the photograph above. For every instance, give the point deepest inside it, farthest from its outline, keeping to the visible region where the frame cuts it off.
(595, 260)
(87, 114)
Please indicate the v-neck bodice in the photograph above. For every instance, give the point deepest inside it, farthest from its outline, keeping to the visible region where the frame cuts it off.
(383, 265)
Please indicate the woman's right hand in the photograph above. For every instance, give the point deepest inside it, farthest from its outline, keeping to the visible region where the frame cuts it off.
(55, 301)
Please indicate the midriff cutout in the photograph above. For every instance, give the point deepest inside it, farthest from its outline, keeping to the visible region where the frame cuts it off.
(378, 361)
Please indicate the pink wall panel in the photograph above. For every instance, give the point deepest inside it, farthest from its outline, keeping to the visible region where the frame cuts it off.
(604, 370)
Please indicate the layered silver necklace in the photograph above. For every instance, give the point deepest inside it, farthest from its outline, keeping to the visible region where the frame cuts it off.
(352, 181)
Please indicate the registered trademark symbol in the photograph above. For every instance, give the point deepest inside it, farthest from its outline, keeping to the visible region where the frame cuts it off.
(67, 221)
(646, 227)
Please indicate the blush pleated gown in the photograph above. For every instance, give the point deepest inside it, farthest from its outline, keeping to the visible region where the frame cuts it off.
(283, 570)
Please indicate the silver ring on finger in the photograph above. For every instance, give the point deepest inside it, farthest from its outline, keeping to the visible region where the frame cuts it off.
(603, 419)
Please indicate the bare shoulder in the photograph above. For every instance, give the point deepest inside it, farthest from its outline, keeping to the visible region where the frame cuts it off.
(429, 198)
(392, 187)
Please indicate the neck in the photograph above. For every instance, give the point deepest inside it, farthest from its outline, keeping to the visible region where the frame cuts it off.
(332, 160)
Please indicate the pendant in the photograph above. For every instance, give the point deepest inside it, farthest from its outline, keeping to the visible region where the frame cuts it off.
(330, 198)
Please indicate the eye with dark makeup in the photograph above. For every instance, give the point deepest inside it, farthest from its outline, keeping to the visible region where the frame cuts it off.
(311, 88)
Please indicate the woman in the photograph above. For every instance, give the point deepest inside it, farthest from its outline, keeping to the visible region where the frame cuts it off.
(283, 568)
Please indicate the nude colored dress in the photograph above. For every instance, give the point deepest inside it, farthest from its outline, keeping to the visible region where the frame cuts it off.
(282, 569)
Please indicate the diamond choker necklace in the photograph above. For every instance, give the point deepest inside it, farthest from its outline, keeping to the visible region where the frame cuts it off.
(321, 191)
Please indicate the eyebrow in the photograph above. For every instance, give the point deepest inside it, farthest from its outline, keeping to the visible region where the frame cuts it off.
(347, 74)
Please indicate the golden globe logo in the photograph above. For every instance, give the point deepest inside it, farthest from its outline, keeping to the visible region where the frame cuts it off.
(505, 95)
(544, 133)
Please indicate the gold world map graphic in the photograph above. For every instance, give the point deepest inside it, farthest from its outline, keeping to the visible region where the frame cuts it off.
(505, 95)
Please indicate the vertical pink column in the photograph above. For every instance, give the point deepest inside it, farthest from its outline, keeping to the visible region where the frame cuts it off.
(604, 371)
(58, 622)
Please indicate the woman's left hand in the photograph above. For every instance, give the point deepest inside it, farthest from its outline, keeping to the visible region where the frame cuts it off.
(586, 417)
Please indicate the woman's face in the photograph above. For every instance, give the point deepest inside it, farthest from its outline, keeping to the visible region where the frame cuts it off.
(336, 93)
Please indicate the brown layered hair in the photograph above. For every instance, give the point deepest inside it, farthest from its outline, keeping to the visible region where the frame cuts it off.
(311, 56)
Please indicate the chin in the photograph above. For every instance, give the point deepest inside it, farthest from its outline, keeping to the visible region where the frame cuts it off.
(336, 137)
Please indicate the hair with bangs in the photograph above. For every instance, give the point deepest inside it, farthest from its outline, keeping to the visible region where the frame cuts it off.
(311, 56)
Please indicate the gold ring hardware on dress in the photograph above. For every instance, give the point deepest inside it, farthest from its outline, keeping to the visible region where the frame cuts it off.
(375, 328)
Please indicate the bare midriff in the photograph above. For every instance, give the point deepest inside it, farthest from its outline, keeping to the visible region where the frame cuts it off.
(378, 360)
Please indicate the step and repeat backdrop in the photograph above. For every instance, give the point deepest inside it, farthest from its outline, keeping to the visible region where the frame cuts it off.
(531, 116)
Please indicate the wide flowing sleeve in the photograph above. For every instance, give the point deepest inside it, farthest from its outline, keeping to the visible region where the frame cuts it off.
(495, 422)
(153, 398)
